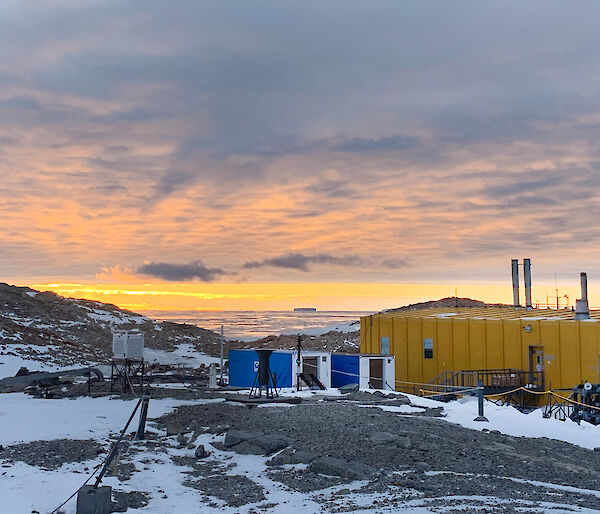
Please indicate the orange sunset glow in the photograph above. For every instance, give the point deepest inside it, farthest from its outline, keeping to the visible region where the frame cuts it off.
(206, 157)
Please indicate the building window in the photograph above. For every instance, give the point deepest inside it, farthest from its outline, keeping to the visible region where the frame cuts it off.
(385, 345)
(428, 347)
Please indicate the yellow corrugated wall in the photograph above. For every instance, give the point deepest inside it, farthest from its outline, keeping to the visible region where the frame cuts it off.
(571, 348)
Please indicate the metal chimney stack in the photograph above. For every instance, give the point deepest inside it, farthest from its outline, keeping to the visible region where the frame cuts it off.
(582, 309)
(527, 278)
(515, 282)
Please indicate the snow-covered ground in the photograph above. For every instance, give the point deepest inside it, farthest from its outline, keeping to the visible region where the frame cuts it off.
(11, 359)
(39, 358)
(25, 488)
(351, 326)
(183, 354)
(23, 419)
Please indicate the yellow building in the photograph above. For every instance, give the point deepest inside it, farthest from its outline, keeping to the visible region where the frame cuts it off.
(549, 346)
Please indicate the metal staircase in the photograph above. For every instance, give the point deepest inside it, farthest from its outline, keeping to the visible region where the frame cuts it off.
(311, 380)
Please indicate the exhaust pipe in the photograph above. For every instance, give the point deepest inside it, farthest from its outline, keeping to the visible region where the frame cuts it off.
(582, 309)
(515, 282)
(527, 278)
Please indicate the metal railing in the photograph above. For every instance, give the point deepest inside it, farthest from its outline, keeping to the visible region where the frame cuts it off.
(493, 380)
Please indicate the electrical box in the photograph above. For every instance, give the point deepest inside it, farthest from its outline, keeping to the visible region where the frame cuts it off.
(94, 500)
(134, 348)
(119, 343)
(128, 345)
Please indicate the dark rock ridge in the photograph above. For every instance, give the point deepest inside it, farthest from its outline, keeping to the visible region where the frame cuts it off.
(449, 302)
(80, 330)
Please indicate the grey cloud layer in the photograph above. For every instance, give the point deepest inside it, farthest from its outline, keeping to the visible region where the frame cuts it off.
(301, 262)
(195, 270)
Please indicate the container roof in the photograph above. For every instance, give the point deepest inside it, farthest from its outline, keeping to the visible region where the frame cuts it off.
(492, 312)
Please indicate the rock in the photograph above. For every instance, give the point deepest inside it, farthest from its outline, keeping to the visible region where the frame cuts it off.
(400, 441)
(174, 429)
(271, 443)
(363, 396)
(259, 445)
(234, 437)
(291, 456)
(247, 448)
(255, 443)
(219, 429)
(341, 468)
(348, 388)
(399, 398)
(200, 452)
(182, 440)
(22, 372)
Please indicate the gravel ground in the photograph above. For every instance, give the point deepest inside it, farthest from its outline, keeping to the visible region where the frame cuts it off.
(51, 454)
(345, 454)
(412, 456)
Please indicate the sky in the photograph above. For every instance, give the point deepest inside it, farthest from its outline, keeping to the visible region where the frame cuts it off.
(267, 154)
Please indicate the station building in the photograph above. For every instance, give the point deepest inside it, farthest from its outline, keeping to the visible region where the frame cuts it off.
(507, 346)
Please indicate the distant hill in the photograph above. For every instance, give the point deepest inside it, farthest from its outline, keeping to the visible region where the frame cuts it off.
(449, 302)
(74, 330)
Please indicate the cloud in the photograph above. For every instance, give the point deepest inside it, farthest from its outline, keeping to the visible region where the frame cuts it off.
(432, 134)
(181, 272)
(301, 262)
(376, 144)
(116, 273)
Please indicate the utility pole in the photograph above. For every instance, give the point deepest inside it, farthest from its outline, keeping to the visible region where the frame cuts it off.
(221, 367)
(298, 363)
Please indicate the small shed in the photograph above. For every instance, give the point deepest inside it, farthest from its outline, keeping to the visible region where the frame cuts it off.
(369, 371)
(243, 365)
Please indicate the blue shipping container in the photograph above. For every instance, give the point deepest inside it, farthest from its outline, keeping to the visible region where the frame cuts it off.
(344, 369)
(243, 365)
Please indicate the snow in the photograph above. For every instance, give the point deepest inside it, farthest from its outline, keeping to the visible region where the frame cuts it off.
(24, 419)
(351, 326)
(511, 421)
(537, 483)
(25, 488)
(184, 353)
(400, 409)
(10, 364)
(110, 317)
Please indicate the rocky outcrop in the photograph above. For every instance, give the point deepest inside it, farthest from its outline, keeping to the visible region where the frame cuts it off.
(80, 330)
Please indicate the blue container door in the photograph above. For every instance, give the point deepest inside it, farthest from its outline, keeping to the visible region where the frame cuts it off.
(243, 365)
(344, 370)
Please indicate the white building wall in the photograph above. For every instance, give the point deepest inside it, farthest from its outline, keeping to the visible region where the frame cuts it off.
(363, 365)
(389, 371)
(323, 370)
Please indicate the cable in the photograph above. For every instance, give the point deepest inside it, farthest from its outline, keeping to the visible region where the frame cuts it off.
(106, 461)
(86, 481)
